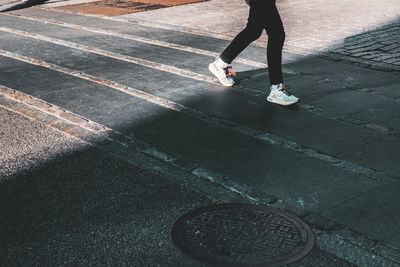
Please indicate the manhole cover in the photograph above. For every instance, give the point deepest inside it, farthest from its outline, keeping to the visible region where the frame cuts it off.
(242, 235)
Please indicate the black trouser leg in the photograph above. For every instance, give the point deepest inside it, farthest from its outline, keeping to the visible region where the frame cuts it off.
(251, 33)
(276, 39)
(263, 15)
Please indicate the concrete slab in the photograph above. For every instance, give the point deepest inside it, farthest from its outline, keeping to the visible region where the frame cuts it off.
(382, 155)
(388, 87)
(374, 213)
(189, 140)
(387, 115)
(348, 102)
(308, 184)
(301, 126)
(308, 87)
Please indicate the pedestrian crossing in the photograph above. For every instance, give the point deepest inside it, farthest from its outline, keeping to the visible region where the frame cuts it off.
(120, 90)
(146, 40)
(183, 84)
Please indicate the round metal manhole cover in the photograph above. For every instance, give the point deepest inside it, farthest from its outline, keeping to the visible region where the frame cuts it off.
(242, 235)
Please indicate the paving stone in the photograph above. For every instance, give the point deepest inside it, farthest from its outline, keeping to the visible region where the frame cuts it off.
(372, 213)
(390, 47)
(369, 56)
(392, 60)
(381, 155)
(351, 43)
(382, 41)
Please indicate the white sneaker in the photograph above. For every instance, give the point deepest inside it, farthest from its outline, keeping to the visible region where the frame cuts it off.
(282, 96)
(222, 71)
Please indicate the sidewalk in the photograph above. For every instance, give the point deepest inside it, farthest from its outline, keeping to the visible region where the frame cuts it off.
(311, 25)
(332, 159)
(5, 4)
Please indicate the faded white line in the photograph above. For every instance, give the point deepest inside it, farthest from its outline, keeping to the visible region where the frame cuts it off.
(123, 88)
(260, 135)
(143, 40)
(55, 110)
(139, 61)
(77, 126)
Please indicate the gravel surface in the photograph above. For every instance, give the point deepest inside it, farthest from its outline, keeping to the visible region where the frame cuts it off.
(25, 144)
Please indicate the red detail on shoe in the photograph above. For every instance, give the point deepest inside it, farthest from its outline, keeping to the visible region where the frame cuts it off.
(230, 72)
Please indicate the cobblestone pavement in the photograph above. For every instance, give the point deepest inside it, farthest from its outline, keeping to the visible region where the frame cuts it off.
(379, 48)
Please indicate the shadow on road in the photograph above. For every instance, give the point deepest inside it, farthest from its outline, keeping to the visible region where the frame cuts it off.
(25, 4)
(94, 208)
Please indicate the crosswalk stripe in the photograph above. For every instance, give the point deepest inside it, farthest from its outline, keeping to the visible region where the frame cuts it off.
(126, 89)
(143, 40)
(258, 134)
(130, 59)
(55, 110)
(144, 155)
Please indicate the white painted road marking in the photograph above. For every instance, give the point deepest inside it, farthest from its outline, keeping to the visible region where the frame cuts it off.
(143, 40)
(260, 135)
(142, 62)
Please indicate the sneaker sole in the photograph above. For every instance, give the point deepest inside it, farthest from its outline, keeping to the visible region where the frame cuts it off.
(215, 72)
(273, 100)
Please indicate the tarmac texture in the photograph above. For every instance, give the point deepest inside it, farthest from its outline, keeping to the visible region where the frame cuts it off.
(131, 131)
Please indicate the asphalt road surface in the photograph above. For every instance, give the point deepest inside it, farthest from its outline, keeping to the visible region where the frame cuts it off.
(112, 130)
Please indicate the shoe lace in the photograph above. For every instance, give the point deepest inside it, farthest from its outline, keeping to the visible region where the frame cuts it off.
(229, 72)
(285, 90)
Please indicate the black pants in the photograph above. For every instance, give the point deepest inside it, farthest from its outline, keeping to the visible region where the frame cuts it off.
(263, 16)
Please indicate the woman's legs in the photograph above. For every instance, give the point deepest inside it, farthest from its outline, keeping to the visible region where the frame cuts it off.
(263, 15)
(251, 33)
(276, 38)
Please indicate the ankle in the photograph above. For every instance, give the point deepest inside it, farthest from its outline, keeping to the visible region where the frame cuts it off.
(220, 63)
(276, 86)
